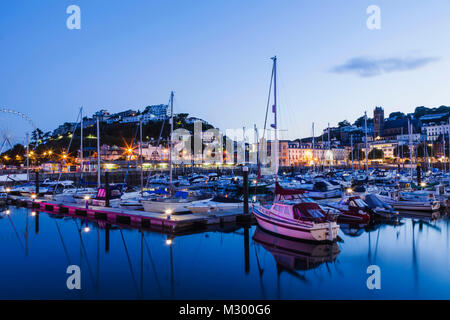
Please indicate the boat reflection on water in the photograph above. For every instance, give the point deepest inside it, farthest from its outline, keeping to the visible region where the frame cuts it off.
(291, 255)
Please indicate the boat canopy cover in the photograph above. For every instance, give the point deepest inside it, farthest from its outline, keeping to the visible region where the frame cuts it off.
(308, 210)
(279, 190)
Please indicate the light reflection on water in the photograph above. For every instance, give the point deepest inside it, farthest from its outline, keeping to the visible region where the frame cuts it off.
(232, 263)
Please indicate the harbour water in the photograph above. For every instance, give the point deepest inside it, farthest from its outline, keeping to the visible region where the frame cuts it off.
(231, 262)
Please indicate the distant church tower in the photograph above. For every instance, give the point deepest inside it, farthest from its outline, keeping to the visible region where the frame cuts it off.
(378, 121)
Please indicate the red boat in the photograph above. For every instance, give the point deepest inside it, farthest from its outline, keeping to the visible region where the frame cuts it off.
(352, 209)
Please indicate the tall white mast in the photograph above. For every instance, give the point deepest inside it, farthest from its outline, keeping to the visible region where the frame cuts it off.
(81, 141)
(98, 154)
(351, 148)
(28, 157)
(410, 149)
(313, 147)
(170, 142)
(367, 149)
(274, 126)
(329, 149)
(140, 153)
(448, 131)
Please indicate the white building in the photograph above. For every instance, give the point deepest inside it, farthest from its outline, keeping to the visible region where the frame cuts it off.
(433, 131)
(159, 112)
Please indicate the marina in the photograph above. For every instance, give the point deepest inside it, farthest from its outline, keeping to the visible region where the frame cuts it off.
(249, 151)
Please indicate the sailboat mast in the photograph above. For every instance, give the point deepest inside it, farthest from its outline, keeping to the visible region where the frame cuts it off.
(275, 115)
(367, 149)
(329, 149)
(140, 154)
(410, 149)
(171, 134)
(313, 147)
(28, 157)
(351, 148)
(99, 171)
(81, 141)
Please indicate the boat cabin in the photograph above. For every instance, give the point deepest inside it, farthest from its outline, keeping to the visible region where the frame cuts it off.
(299, 211)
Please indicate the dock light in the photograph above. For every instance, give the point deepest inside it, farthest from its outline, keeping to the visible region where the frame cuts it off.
(33, 213)
(86, 200)
(349, 190)
(86, 229)
(33, 196)
(169, 242)
(168, 211)
(7, 212)
(423, 184)
(8, 189)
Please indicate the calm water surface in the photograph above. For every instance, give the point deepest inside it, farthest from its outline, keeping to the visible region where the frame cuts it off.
(233, 263)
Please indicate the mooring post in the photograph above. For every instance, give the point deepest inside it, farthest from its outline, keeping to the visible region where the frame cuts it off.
(36, 182)
(419, 176)
(245, 188)
(107, 193)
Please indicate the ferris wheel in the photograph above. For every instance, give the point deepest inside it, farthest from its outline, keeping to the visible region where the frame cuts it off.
(12, 129)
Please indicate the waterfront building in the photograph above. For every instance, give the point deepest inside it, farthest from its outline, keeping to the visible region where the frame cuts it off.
(295, 153)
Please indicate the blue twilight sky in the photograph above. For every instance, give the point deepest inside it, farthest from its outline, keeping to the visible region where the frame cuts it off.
(216, 54)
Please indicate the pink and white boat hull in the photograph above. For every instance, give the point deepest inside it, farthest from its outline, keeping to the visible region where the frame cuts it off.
(326, 231)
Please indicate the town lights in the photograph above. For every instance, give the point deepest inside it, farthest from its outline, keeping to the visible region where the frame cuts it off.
(8, 190)
(349, 190)
(33, 196)
(423, 184)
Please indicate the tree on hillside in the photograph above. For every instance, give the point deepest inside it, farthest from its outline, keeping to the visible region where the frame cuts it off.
(397, 115)
(360, 121)
(344, 123)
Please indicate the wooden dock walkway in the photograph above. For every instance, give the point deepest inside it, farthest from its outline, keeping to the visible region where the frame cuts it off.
(135, 218)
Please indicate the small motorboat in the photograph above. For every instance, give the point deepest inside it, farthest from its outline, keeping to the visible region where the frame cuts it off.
(323, 189)
(401, 201)
(352, 209)
(293, 219)
(379, 208)
(177, 203)
(218, 203)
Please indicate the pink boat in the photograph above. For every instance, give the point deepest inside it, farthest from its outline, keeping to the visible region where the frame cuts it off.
(293, 219)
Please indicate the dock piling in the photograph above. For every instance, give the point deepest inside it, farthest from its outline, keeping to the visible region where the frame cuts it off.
(107, 188)
(245, 188)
